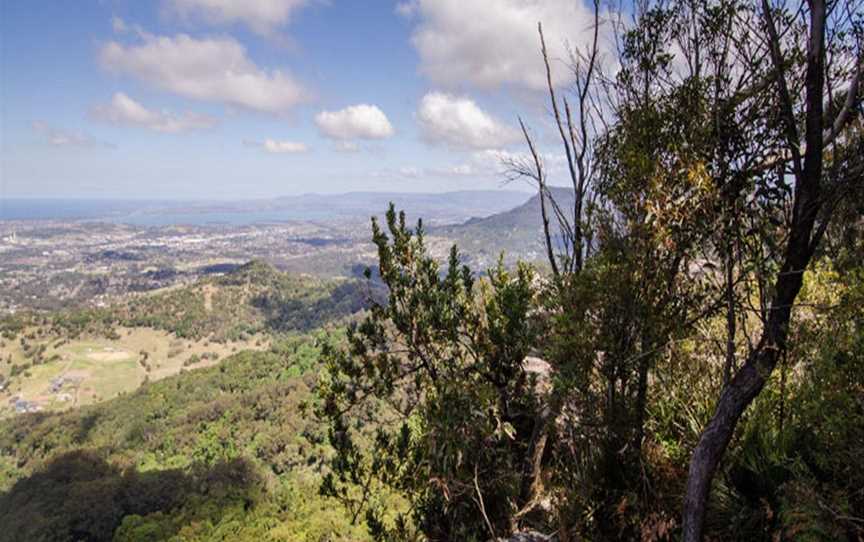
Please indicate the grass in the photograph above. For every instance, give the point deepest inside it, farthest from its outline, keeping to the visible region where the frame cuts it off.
(99, 368)
(109, 351)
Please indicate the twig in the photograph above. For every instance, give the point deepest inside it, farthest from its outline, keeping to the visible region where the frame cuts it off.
(482, 505)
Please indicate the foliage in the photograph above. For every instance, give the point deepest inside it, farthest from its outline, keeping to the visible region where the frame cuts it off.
(254, 298)
(707, 319)
(799, 449)
(439, 369)
(210, 454)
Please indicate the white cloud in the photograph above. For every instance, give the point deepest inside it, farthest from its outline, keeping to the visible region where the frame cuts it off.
(125, 110)
(460, 170)
(499, 163)
(291, 147)
(410, 172)
(406, 9)
(493, 158)
(213, 70)
(361, 121)
(58, 137)
(414, 172)
(262, 16)
(495, 42)
(489, 164)
(459, 122)
(278, 147)
(119, 25)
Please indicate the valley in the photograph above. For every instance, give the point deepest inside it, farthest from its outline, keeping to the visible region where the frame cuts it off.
(79, 356)
(186, 354)
(88, 262)
(171, 411)
(85, 371)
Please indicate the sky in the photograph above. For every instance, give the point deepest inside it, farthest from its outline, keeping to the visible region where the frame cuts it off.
(228, 99)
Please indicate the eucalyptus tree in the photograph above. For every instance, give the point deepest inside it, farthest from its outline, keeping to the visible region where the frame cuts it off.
(816, 68)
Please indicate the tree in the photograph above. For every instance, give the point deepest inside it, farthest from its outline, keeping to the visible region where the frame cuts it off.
(570, 243)
(703, 187)
(655, 175)
(803, 63)
(431, 399)
(707, 110)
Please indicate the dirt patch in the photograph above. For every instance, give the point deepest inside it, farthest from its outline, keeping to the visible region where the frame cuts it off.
(208, 297)
(108, 356)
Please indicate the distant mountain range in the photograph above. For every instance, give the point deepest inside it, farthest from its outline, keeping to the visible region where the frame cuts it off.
(440, 208)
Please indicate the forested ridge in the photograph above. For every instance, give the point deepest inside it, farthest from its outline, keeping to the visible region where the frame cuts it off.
(687, 364)
(254, 298)
(223, 453)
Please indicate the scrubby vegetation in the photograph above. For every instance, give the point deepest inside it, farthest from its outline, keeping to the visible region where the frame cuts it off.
(219, 453)
(254, 298)
(691, 366)
(594, 441)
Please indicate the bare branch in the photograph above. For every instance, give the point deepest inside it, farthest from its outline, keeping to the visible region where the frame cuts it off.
(538, 175)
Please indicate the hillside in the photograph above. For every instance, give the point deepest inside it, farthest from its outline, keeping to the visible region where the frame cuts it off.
(253, 298)
(183, 415)
(517, 232)
(83, 356)
(217, 453)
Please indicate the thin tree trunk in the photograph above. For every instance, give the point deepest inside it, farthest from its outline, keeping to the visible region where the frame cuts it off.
(541, 192)
(751, 377)
(730, 314)
(747, 383)
(736, 396)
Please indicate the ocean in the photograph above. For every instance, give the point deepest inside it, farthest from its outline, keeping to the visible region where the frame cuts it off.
(134, 212)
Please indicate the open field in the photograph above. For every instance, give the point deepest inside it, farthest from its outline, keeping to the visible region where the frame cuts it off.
(78, 357)
(93, 369)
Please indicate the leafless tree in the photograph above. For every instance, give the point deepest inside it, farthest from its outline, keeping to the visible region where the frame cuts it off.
(577, 130)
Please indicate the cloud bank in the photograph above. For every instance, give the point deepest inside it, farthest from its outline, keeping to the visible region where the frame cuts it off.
(212, 69)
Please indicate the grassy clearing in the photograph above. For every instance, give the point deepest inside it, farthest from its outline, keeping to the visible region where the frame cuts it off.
(95, 369)
(99, 353)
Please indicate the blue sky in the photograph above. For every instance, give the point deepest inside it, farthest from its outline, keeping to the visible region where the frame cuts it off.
(261, 98)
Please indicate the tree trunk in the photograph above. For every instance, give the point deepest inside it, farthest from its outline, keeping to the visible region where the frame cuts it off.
(737, 395)
(751, 378)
